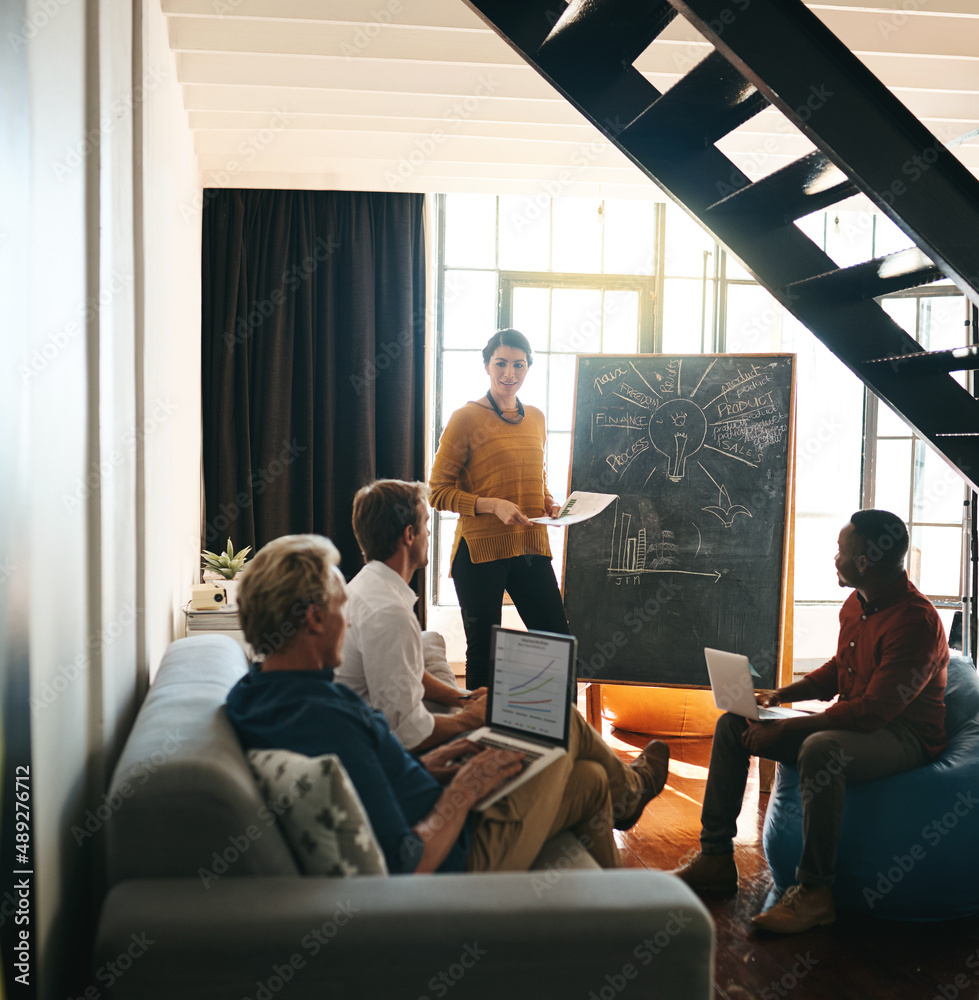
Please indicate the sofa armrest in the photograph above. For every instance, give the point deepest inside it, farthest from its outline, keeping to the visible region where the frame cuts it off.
(481, 936)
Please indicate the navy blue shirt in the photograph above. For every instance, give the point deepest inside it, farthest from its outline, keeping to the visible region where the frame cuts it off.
(304, 711)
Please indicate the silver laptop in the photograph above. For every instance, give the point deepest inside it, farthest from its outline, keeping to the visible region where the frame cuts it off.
(734, 689)
(532, 692)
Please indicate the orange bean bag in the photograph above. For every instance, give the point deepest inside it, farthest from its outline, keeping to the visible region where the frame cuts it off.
(660, 711)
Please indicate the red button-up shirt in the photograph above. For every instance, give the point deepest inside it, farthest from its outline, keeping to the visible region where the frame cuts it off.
(892, 661)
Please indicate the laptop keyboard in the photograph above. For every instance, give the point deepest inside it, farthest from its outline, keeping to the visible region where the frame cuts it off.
(489, 741)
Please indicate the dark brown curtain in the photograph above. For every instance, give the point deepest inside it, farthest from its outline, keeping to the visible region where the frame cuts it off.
(312, 358)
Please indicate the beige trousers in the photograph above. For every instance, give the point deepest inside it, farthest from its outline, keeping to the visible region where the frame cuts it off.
(584, 792)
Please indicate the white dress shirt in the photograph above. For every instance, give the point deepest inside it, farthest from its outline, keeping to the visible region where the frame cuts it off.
(383, 660)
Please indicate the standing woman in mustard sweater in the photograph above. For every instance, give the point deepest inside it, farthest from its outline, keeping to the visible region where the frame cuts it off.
(490, 469)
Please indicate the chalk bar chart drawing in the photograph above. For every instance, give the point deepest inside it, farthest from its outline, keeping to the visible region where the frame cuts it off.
(692, 554)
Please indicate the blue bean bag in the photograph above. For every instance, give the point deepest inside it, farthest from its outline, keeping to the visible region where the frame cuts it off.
(909, 845)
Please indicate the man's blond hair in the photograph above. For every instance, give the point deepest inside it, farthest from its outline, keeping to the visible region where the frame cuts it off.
(285, 577)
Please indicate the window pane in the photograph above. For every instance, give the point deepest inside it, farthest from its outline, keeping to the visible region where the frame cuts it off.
(815, 547)
(577, 242)
(942, 323)
(558, 469)
(935, 560)
(893, 487)
(938, 489)
(576, 320)
(829, 431)
(463, 378)
(888, 238)
(796, 339)
(829, 439)
(446, 534)
(560, 392)
(558, 464)
(470, 230)
(904, 312)
(630, 237)
(733, 268)
(557, 538)
(889, 424)
(531, 315)
(621, 325)
(683, 305)
(686, 243)
(469, 318)
(525, 233)
(814, 226)
(849, 237)
(754, 320)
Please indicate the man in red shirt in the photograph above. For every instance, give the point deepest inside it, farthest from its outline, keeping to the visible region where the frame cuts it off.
(889, 672)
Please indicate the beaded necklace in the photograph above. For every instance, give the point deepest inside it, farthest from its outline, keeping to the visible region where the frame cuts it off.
(499, 412)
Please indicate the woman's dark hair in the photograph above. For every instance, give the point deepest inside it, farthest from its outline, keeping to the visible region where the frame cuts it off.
(508, 338)
(885, 537)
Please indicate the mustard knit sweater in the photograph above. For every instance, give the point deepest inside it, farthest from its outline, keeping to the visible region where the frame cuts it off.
(481, 455)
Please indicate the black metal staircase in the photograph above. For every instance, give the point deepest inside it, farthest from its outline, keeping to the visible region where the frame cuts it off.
(776, 52)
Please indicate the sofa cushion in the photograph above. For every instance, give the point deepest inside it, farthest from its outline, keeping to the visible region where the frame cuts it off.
(182, 801)
(319, 811)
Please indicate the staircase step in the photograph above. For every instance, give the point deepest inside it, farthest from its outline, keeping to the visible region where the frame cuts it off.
(956, 359)
(606, 33)
(880, 276)
(836, 101)
(710, 101)
(807, 185)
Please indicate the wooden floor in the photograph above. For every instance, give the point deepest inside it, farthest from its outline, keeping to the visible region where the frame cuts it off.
(857, 958)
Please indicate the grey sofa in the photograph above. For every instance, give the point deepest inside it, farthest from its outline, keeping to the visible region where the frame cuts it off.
(206, 901)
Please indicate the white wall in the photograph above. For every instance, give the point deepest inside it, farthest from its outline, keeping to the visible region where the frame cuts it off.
(99, 419)
(62, 577)
(172, 372)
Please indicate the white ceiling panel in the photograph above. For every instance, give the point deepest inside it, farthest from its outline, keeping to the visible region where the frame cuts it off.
(419, 95)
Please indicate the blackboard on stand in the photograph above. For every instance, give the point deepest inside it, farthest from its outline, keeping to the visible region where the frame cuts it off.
(695, 551)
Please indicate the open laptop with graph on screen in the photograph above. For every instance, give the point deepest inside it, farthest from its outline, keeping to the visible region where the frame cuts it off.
(532, 692)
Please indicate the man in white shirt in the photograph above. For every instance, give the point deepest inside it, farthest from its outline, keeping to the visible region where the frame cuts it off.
(383, 660)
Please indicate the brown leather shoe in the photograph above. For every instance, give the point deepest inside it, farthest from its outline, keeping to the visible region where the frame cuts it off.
(710, 873)
(653, 768)
(800, 909)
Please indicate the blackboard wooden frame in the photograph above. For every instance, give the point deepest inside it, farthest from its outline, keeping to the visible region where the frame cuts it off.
(716, 535)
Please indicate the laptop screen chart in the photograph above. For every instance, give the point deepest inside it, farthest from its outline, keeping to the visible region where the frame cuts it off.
(530, 677)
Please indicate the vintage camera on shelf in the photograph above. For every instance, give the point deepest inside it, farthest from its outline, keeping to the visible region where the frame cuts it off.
(208, 596)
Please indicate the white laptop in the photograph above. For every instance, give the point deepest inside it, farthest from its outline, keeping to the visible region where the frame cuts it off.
(734, 690)
(532, 691)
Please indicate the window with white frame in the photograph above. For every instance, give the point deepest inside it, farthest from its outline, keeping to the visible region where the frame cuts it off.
(591, 276)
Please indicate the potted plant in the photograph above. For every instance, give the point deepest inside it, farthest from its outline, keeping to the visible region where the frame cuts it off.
(224, 567)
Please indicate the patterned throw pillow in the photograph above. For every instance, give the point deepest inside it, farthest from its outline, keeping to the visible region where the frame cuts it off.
(319, 811)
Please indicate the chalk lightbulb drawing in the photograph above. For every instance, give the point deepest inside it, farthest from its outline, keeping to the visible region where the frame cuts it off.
(677, 430)
(745, 415)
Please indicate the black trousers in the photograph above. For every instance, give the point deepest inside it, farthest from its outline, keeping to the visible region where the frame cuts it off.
(532, 586)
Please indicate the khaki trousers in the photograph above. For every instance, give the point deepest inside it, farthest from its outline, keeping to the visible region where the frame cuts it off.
(584, 792)
(827, 761)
